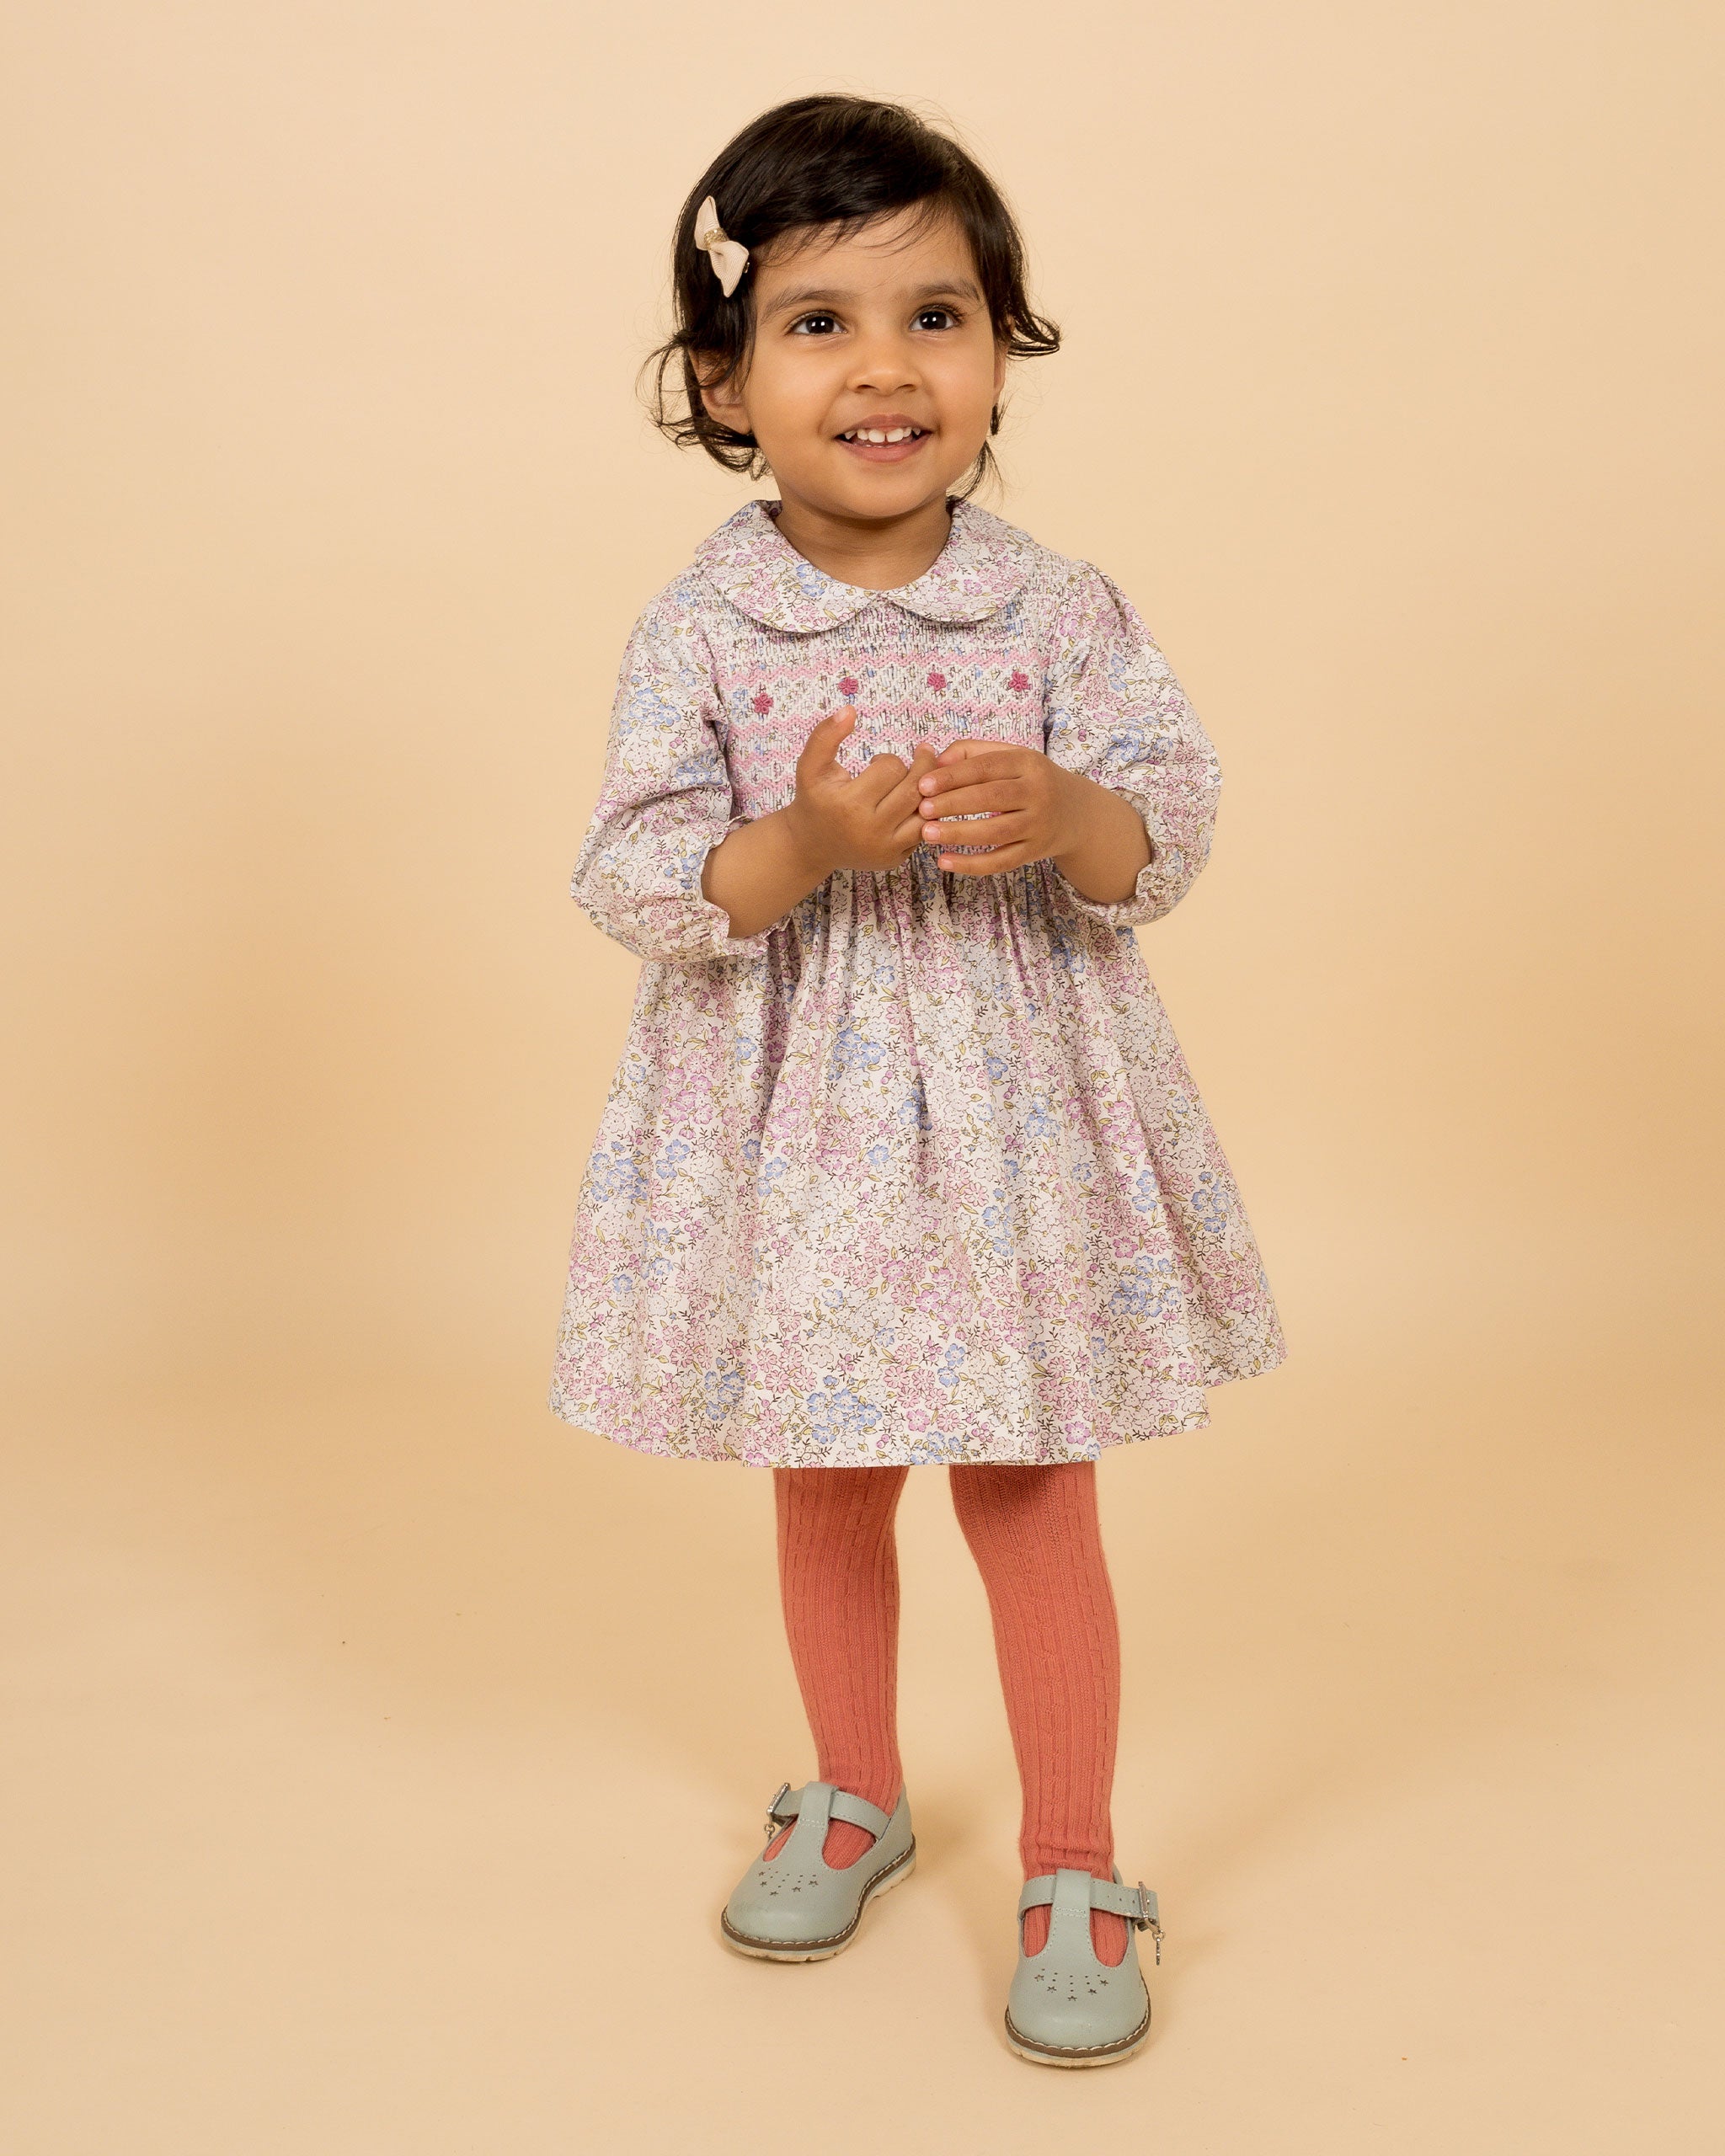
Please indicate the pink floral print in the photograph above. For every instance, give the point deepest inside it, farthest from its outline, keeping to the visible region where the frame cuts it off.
(917, 1173)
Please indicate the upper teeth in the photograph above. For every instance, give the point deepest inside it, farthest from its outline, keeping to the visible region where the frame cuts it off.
(880, 433)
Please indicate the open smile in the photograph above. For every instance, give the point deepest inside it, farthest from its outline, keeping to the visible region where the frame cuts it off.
(884, 445)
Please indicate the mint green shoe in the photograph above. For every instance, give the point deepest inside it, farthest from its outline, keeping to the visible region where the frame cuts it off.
(1065, 2008)
(795, 1906)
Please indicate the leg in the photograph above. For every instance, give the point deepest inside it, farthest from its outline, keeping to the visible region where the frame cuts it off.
(838, 1570)
(1037, 1541)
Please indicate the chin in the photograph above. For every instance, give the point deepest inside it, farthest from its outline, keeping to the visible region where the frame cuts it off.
(889, 494)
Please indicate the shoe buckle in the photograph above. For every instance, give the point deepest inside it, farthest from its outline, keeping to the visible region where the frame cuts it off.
(1145, 1920)
(773, 1822)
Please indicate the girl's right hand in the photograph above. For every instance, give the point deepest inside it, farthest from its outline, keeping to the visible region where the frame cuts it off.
(872, 820)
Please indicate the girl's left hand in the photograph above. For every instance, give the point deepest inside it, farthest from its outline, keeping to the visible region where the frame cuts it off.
(1028, 800)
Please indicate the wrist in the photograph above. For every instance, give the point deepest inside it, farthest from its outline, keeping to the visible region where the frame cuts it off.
(804, 848)
(1073, 825)
(1112, 847)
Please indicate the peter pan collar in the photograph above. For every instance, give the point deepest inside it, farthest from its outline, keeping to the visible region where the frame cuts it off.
(750, 561)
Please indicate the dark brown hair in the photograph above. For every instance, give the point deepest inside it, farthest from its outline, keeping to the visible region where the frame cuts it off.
(827, 160)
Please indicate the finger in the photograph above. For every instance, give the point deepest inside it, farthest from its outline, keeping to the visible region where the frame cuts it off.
(820, 751)
(975, 800)
(978, 769)
(879, 779)
(986, 831)
(923, 761)
(951, 827)
(904, 799)
(968, 745)
(985, 864)
(900, 798)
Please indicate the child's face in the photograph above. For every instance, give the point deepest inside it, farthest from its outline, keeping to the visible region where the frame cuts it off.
(887, 327)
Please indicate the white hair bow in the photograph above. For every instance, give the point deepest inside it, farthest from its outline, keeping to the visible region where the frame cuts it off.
(728, 260)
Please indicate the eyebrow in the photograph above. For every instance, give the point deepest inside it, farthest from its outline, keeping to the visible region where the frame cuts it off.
(830, 295)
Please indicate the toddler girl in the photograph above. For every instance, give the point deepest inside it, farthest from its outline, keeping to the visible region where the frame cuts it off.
(902, 1164)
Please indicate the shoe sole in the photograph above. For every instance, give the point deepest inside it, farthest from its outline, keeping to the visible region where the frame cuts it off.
(1080, 2056)
(761, 1950)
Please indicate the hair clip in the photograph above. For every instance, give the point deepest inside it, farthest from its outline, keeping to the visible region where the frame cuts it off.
(728, 260)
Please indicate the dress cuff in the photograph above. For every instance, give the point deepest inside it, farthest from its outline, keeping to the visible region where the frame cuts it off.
(1160, 881)
(721, 943)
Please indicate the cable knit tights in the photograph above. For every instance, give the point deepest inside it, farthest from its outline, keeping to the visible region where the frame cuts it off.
(1037, 1541)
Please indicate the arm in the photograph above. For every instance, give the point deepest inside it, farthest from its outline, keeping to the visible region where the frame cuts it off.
(1117, 719)
(1104, 863)
(762, 870)
(664, 804)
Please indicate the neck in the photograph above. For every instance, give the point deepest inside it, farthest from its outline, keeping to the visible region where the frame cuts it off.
(878, 553)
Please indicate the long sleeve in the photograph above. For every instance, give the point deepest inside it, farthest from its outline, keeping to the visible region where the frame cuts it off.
(1116, 714)
(665, 802)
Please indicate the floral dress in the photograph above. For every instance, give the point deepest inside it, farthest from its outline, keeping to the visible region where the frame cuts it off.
(916, 1173)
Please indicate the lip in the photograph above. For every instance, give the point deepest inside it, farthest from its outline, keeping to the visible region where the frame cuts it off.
(886, 452)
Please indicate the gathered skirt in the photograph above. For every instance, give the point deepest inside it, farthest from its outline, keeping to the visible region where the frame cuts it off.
(925, 1178)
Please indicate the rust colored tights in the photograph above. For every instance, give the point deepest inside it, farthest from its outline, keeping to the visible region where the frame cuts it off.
(1034, 1534)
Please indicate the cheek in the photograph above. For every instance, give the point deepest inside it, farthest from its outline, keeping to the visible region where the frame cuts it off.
(964, 383)
(793, 396)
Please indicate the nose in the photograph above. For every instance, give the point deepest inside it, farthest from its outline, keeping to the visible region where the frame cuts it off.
(884, 362)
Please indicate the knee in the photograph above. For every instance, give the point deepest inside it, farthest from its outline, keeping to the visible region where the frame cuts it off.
(991, 1491)
(985, 1491)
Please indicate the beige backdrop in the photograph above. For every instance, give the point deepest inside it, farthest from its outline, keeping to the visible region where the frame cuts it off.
(380, 1749)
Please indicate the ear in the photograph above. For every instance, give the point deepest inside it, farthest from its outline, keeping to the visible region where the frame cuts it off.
(724, 403)
(1000, 370)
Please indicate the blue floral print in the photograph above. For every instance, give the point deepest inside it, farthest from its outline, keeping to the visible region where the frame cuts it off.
(916, 1173)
